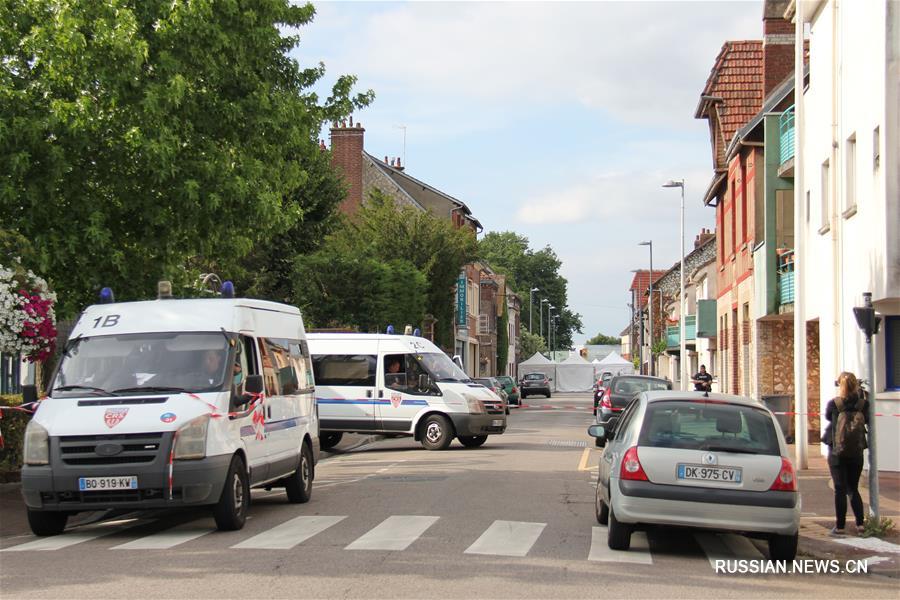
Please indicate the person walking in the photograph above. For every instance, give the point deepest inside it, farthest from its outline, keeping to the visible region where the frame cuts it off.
(847, 415)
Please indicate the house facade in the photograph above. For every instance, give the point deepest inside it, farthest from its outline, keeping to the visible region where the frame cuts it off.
(847, 198)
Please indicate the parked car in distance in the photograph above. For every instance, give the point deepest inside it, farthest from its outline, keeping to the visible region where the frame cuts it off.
(511, 389)
(496, 387)
(601, 387)
(715, 462)
(534, 383)
(621, 389)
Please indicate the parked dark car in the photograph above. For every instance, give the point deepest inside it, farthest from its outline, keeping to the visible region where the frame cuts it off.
(534, 383)
(511, 389)
(601, 388)
(495, 386)
(622, 389)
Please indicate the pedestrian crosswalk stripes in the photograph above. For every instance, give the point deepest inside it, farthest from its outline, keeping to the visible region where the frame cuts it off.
(287, 535)
(166, 539)
(88, 533)
(394, 533)
(507, 538)
(638, 554)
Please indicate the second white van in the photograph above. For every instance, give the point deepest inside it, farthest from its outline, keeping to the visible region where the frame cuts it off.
(399, 385)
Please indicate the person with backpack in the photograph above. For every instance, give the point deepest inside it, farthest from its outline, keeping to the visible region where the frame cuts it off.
(848, 415)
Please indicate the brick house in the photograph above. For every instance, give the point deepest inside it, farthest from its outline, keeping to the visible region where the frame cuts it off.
(640, 335)
(744, 74)
(363, 173)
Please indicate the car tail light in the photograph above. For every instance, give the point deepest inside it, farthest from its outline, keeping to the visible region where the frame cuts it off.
(604, 400)
(631, 466)
(787, 479)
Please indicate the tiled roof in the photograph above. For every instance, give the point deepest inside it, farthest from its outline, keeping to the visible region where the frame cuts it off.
(737, 79)
(641, 283)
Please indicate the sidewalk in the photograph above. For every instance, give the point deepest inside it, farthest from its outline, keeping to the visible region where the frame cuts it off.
(817, 496)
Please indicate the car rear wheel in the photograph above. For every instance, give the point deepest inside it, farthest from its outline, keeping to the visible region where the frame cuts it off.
(601, 509)
(783, 547)
(619, 534)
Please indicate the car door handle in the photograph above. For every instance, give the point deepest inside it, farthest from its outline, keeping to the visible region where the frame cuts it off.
(381, 393)
(268, 412)
(368, 393)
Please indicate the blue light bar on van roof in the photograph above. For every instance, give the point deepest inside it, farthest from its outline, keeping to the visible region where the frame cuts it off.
(106, 296)
(390, 330)
(417, 332)
(227, 289)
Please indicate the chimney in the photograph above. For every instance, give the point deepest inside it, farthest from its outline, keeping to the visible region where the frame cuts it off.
(399, 166)
(347, 158)
(778, 45)
(704, 236)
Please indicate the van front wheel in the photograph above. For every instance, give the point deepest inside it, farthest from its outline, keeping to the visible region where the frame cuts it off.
(472, 441)
(230, 511)
(329, 440)
(44, 522)
(299, 485)
(437, 432)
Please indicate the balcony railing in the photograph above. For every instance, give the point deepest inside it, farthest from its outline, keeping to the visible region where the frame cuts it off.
(786, 277)
(786, 132)
(673, 333)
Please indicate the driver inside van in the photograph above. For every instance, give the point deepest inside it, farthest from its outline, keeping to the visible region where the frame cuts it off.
(393, 376)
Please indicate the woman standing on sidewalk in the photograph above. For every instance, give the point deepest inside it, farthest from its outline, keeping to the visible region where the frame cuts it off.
(847, 413)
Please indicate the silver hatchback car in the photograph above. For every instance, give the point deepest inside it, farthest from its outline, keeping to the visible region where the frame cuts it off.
(690, 459)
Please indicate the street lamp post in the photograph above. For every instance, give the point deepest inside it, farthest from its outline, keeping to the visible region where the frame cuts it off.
(541, 314)
(650, 301)
(549, 308)
(531, 309)
(682, 371)
(550, 326)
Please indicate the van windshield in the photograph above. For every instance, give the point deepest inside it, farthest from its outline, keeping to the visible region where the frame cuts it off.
(142, 362)
(441, 368)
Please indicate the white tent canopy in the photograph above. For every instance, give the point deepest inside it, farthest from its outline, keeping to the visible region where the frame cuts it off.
(539, 364)
(574, 375)
(614, 364)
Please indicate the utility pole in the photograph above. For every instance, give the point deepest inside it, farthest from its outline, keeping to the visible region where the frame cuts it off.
(531, 309)
(868, 322)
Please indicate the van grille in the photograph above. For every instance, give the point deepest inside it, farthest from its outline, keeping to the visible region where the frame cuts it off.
(128, 448)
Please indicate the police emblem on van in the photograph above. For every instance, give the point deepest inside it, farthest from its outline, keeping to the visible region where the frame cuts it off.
(114, 416)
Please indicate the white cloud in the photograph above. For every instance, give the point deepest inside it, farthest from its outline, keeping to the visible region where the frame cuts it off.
(641, 61)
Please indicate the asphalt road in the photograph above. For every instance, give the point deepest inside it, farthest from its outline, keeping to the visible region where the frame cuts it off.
(513, 519)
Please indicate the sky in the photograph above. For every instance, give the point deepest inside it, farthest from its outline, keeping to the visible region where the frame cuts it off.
(557, 120)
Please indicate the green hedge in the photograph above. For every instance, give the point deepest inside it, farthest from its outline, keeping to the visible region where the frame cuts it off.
(12, 426)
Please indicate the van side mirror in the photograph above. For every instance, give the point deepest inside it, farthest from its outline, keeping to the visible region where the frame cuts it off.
(254, 384)
(424, 382)
(596, 431)
(29, 394)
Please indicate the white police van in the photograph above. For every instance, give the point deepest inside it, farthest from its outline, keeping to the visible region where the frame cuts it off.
(171, 403)
(399, 385)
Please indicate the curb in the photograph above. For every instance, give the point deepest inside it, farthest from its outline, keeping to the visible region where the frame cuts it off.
(821, 549)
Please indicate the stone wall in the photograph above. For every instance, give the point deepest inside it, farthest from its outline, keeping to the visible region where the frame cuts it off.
(813, 398)
(775, 358)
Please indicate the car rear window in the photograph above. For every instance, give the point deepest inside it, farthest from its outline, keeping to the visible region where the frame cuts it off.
(699, 425)
(534, 376)
(636, 386)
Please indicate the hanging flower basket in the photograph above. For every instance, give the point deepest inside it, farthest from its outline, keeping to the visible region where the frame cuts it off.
(27, 319)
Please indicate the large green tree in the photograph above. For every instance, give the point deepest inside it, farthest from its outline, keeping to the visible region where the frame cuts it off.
(388, 264)
(143, 139)
(511, 254)
(601, 340)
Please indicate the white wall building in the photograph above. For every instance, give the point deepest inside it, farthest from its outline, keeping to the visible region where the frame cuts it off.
(848, 199)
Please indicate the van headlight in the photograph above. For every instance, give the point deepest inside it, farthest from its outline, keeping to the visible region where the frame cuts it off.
(190, 442)
(37, 444)
(476, 406)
